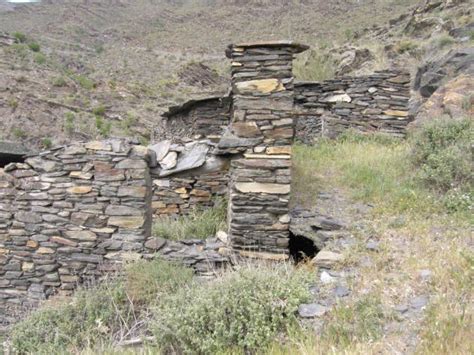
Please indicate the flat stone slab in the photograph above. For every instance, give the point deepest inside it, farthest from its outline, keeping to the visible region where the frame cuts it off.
(192, 157)
(256, 187)
(312, 310)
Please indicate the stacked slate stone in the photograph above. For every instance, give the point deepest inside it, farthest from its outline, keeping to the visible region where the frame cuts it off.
(197, 119)
(187, 176)
(262, 129)
(70, 214)
(373, 103)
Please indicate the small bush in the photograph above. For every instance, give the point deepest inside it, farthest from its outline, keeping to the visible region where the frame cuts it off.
(13, 103)
(200, 223)
(59, 81)
(19, 37)
(247, 309)
(69, 123)
(84, 82)
(443, 152)
(34, 46)
(46, 142)
(40, 58)
(444, 41)
(406, 46)
(19, 133)
(99, 110)
(99, 316)
(104, 127)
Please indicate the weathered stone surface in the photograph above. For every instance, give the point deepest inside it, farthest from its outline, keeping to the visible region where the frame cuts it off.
(155, 243)
(28, 217)
(337, 98)
(98, 145)
(132, 164)
(255, 187)
(278, 150)
(397, 113)
(42, 165)
(80, 190)
(169, 161)
(81, 235)
(192, 157)
(132, 222)
(121, 210)
(263, 86)
(246, 129)
(161, 149)
(327, 259)
(312, 310)
(263, 255)
(132, 191)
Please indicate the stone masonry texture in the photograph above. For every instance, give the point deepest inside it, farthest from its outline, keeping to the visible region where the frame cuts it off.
(262, 131)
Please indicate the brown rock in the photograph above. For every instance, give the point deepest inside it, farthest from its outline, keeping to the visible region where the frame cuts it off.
(79, 190)
(129, 222)
(263, 255)
(279, 150)
(263, 86)
(256, 187)
(246, 129)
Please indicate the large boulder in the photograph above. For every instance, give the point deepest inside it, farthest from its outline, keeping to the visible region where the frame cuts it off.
(435, 72)
(453, 100)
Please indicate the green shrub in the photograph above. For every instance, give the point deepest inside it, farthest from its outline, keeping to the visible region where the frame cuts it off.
(91, 317)
(99, 110)
(19, 133)
(101, 315)
(69, 123)
(46, 142)
(34, 46)
(359, 322)
(19, 37)
(13, 103)
(247, 309)
(40, 58)
(84, 82)
(104, 127)
(59, 81)
(406, 46)
(445, 40)
(442, 150)
(200, 223)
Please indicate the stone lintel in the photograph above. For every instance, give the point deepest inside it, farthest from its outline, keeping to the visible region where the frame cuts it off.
(294, 46)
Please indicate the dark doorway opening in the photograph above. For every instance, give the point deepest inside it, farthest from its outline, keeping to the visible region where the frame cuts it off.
(6, 159)
(302, 248)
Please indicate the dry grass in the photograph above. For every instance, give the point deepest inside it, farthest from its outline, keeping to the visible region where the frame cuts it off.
(415, 233)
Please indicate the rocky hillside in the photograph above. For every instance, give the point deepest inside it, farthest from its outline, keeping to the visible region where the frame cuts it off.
(75, 69)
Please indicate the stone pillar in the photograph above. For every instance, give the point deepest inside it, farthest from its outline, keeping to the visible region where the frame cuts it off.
(262, 131)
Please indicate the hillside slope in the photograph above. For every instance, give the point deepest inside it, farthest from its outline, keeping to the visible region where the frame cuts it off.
(111, 68)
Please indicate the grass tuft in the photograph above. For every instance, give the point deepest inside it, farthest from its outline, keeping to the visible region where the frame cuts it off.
(201, 223)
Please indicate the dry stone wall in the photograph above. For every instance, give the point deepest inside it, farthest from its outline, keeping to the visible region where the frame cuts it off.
(373, 103)
(262, 131)
(187, 176)
(196, 119)
(69, 215)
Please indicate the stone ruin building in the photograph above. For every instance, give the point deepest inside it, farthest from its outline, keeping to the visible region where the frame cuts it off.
(72, 213)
